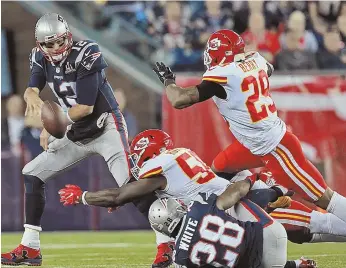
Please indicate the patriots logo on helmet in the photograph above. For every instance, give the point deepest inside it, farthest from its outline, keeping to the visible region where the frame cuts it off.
(90, 60)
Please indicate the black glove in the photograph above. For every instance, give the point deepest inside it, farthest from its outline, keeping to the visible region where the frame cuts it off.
(164, 73)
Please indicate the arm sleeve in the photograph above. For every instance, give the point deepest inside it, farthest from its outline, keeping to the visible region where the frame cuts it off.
(37, 76)
(87, 88)
(208, 89)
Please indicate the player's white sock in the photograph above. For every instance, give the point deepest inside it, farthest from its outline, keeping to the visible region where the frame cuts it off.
(337, 206)
(31, 236)
(326, 223)
(318, 238)
(161, 238)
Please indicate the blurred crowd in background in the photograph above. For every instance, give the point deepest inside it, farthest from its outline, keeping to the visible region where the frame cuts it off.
(300, 35)
(292, 35)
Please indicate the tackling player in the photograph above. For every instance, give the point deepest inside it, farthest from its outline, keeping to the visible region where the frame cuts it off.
(206, 236)
(238, 84)
(75, 73)
(170, 172)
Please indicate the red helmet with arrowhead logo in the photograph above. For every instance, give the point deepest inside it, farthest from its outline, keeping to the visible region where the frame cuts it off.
(223, 47)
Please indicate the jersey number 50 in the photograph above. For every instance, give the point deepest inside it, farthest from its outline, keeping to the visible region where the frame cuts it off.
(195, 168)
(260, 87)
(227, 234)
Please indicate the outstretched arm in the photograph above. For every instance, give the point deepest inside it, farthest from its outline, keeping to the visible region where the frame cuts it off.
(233, 194)
(113, 197)
(181, 97)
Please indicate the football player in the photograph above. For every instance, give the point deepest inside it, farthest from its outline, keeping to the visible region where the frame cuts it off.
(238, 84)
(206, 236)
(75, 72)
(170, 172)
(303, 224)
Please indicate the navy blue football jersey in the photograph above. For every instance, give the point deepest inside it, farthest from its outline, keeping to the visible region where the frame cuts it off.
(209, 237)
(80, 78)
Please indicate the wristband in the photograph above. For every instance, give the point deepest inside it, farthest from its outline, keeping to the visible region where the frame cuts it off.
(83, 199)
(69, 118)
(168, 82)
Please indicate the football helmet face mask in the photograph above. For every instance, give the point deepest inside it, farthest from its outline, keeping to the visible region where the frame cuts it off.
(146, 145)
(223, 47)
(53, 37)
(165, 214)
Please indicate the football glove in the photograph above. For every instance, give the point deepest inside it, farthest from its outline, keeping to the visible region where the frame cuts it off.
(281, 202)
(70, 195)
(164, 73)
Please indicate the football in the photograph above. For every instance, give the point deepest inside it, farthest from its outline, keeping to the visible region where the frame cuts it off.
(54, 119)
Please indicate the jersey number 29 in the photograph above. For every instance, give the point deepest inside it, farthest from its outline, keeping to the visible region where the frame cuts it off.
(227, 234)
(260, 87)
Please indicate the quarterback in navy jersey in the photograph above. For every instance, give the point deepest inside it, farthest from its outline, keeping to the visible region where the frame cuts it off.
(75, 72)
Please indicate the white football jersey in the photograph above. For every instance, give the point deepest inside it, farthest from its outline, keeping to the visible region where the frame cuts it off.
(186, 174)
(248, 108)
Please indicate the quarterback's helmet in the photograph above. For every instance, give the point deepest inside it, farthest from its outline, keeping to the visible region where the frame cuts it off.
(223, 47)
(165, 214)
(51, 28)
(146, 145)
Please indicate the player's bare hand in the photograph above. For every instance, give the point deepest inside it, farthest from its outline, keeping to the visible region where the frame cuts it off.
(164, 73)
(33, 105)
(44, 139)
(70, 195)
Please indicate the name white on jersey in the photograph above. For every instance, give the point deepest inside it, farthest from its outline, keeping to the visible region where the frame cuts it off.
(186, 174)
(248, 108)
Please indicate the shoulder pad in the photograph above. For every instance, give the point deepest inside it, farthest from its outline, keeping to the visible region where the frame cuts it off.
(205, 198)
(156, 166)
(216, 74)
(89, 58)
(36, 57)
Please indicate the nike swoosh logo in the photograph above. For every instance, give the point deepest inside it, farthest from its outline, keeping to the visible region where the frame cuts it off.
(87, 53)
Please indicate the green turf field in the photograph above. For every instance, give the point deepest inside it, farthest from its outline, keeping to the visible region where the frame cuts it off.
(137, 249)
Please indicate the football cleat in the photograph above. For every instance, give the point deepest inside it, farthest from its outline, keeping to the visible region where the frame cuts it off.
(164, 256)
(22, 255)
(305, 263)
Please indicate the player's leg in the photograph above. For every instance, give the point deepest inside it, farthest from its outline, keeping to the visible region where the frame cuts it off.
(113, 146)
(301, 223)
(61, 154)
(274, 246)
(319, 238)
(165, 244)
(235, 158)
(291, 169)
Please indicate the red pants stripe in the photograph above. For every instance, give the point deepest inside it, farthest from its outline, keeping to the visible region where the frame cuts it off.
(287, 163)
(293, 217)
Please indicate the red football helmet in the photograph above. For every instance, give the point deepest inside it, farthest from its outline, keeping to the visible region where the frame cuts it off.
(223, 47)
(146, 145)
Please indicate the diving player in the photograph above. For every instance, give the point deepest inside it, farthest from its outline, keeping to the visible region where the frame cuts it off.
(238, 84)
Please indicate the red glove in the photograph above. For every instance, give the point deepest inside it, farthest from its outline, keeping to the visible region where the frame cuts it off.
(70, 195)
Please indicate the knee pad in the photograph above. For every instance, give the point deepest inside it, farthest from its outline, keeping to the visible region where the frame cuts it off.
(33, 185)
